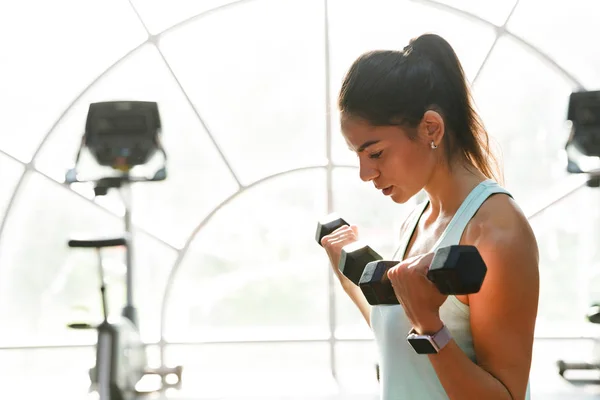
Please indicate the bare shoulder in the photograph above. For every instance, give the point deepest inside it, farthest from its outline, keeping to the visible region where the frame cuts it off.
(501, 225)
(503, 312)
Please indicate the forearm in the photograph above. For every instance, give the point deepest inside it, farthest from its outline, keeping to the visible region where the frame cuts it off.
(463, 379)
(358, 298)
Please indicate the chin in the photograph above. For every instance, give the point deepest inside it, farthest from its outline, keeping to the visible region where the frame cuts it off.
(401, 196)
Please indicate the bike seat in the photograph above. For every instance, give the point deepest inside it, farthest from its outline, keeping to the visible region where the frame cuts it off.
(98, 242)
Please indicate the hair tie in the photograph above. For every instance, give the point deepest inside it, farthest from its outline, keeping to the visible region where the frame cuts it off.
(408, 49)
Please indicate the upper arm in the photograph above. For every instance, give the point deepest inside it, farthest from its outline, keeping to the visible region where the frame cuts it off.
(504, 311)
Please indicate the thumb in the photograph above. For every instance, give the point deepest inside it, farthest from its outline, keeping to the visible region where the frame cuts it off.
(354, 229)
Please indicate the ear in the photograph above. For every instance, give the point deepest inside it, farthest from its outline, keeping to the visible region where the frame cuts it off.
(432, 127)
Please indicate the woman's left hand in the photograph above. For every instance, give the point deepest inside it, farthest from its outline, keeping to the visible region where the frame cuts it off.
(417, 294)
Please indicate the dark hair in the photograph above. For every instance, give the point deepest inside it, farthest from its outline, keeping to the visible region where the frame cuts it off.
(387, 87)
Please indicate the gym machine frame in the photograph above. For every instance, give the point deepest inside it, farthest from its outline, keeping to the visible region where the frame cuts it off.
(583, 157)
(120, 135)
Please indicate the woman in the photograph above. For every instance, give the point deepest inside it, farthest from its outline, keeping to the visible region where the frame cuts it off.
(409, 117)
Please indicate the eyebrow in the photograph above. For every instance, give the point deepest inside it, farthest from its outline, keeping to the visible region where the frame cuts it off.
(367, 144)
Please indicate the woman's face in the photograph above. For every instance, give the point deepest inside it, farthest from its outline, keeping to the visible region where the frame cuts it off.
(397, 165)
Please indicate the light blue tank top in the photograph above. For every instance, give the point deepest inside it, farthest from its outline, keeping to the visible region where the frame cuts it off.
(404, 374)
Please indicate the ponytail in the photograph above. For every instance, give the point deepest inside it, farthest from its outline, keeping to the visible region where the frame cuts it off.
(387, 87)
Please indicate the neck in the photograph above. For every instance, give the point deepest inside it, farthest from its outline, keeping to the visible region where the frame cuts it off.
(448, 187)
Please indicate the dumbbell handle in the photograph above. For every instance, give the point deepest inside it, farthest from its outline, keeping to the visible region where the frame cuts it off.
(455, 270)
(375, 284)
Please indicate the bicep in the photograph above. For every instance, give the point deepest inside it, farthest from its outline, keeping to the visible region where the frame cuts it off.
(504, 311)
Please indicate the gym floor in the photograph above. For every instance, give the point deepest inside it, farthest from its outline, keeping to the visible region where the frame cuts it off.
(546, 384)
(22, 383)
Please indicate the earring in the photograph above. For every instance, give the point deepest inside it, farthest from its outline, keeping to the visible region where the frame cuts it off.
(433, 145)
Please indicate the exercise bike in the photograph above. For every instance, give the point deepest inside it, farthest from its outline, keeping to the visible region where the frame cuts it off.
(120, 135)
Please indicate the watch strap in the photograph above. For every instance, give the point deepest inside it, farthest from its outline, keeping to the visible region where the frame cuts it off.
(439, 339)
(442, 337)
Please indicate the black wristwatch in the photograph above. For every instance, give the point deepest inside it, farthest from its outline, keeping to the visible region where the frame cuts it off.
(429, 344)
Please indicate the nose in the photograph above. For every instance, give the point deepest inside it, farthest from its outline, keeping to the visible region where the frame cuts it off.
(367, 171)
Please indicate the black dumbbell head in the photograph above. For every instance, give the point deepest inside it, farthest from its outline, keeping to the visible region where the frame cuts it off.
(375, 284)
(327, 225)
(355, 256)
(457, 269)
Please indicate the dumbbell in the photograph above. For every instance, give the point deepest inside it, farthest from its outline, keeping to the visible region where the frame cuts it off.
(354, 256)
(457, 269)
(328, 225)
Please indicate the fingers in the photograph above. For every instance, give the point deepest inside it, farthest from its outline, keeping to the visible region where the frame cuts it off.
(343, 237)
(406, 270)
(392, 274)
(339, 237)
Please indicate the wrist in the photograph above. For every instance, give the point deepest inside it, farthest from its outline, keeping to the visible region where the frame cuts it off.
(429, 326)
(429, 343)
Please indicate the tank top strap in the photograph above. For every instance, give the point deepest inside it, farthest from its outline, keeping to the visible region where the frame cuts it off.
(411, 225)
(454, 231)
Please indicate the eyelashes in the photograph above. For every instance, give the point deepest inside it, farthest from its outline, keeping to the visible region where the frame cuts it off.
(375, 156)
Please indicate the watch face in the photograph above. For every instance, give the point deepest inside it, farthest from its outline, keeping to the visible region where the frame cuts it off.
(422, 346)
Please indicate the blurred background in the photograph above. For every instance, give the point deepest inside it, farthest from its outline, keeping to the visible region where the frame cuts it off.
(228, 279)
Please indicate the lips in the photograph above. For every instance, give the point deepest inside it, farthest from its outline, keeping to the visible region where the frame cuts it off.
(387, 191)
